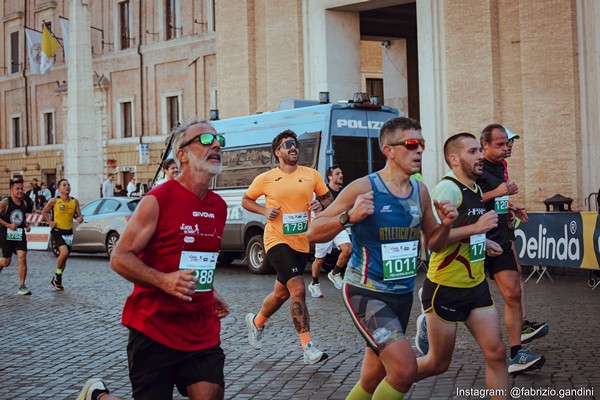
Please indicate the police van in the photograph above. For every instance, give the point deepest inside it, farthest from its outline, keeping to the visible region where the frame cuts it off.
(342, 133)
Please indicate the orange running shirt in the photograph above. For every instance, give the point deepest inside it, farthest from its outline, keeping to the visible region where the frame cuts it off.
(292, 192)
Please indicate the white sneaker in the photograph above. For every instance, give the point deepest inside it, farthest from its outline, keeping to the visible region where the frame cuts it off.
(315, 290)
(336, 279)
(312, 355)
(90, 386)
(255, 335)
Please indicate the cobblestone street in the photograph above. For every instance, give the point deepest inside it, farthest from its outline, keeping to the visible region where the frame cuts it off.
(52, 342)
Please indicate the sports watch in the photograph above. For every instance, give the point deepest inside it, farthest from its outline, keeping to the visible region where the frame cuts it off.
(345, 219)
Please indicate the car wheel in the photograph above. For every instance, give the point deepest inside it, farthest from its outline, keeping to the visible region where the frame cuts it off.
(111, 242)
(258, 263)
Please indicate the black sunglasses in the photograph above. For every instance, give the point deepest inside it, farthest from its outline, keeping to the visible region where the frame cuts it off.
(410, 144)
(205, 139)
(288, 144)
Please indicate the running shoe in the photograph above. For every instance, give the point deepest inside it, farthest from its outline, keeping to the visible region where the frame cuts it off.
(312, 355)
(57, 285)
(315, 290)
(533, 330)
(523, 362)
(255, 335)
(421, 339)
(23, 290)
(92, 385)
(336, 279)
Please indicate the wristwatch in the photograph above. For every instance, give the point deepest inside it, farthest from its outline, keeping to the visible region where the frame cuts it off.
(345, 219)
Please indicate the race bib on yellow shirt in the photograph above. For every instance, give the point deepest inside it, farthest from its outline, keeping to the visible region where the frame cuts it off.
(477, 252)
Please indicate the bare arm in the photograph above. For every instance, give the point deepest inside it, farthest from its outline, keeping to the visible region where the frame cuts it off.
(136, 237)
(78, 211)
(320, 202)
(221, 306)
(3, 209)
(485, 223)
(252, 206)
(519, 212)
(357, 197)
(49, 206)
(501, 190)
(435, 236)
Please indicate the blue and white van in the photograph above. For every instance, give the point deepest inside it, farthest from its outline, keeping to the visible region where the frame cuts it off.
(344, 133)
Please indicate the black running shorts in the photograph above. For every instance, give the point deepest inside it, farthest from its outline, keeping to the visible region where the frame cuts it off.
(10, 247)
(287, 262)
(505, 261)
(154, 369)
(381, 318)
(452, 304)
(58, 237)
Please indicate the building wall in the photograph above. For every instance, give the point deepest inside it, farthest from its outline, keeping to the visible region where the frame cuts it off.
(184, 66)
(515, 64)
(261, 61)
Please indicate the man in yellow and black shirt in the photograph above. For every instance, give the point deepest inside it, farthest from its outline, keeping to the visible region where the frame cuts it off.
(64, 208)
(455, 290)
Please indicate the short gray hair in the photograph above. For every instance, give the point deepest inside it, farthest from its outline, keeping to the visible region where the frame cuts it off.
(178, 135)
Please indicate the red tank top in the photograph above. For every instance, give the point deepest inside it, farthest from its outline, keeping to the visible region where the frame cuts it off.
(185, 223)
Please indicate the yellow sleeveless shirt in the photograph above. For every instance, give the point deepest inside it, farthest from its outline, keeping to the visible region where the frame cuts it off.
(63, 213)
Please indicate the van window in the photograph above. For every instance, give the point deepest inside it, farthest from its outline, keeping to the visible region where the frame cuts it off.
(242, 165)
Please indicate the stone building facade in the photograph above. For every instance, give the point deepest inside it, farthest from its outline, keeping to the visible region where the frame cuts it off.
(456, 65)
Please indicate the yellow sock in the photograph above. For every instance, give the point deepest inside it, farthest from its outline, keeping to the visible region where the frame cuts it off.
(260, 320)
(385, 391)
(304, 338)
(58, 271)
(358, 393)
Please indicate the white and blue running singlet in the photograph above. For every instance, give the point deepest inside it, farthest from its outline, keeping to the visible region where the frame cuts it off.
(386, 244)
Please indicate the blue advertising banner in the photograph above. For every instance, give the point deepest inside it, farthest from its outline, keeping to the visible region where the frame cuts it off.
(560, 239)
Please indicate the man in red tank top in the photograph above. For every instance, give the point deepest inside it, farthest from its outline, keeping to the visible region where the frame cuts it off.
(169, 251)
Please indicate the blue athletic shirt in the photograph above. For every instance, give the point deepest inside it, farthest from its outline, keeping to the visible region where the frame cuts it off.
(386, 244)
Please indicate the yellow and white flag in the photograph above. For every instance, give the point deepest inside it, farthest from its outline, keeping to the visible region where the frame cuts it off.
(34, 48)
(49, 47)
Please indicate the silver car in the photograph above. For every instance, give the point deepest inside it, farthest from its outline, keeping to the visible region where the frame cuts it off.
(103, 224)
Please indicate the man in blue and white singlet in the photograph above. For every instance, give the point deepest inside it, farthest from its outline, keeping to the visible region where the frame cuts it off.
(387, 211)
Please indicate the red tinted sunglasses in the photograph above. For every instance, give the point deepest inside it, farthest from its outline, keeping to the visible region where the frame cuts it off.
(410, 144)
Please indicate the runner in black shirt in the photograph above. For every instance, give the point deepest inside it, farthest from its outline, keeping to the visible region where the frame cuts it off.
(503, 268)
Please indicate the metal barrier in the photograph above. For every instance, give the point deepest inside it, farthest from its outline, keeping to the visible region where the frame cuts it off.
(38, 236)
(588, 201)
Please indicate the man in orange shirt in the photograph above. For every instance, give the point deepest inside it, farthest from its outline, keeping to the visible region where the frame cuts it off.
(288, 191)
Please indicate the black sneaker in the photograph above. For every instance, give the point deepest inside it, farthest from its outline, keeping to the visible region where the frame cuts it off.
(533, 330)
(57, 285)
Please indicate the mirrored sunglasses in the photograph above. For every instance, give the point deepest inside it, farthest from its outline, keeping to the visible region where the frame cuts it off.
(411, 144)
